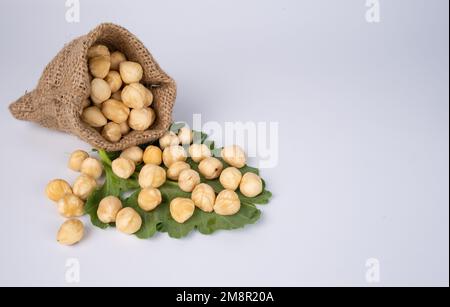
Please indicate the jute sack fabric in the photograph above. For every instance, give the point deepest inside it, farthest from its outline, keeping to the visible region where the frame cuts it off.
(64, 87)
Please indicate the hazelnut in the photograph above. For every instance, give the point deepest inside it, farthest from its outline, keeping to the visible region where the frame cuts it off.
(117, 95)
(97, 50)
(84, 186)
(251, 185)
(115, 110)
(134, 153)
(128, 221)
(227, 203)
(148, 96)
(70, 206)
(99, 66)
(173, 172)
(188, 180)
(204, 197)
(70, 232)
(173, 154)
(210, 167)
(181, 209)
(114, 80)
(108, 209)
(56, 189)
(168, 139)
(198, 152)
(93, 117)
(234, 156)
(149, 199)
(185, 136)
(230, 178)
(92, 167)
(152, 155)
(130, 72)
(76, 159)
(100, 91)
(133, 96)
(124, 128)
(152, 176)
(111, 132)
(141, 119)
(123, 168)
(117, 57)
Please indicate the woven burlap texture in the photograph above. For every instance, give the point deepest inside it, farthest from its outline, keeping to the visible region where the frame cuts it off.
(64, 87)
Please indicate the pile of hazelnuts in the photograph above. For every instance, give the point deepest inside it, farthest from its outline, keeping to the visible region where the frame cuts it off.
(69, 199)
(172, 152)
(168, 161)
(118, 101)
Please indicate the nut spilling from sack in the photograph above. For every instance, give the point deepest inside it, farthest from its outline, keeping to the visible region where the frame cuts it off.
(109, 72)
(178, 184)
(118, 101)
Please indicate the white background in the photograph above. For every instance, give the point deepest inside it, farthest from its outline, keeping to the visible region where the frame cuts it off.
(363, 113)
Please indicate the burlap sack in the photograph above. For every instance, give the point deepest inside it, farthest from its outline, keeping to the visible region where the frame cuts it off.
(63, 89)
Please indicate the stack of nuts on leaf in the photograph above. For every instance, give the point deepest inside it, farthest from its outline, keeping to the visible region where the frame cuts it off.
(157, 164)
(172, 152)
(119, 102)
(70, 199)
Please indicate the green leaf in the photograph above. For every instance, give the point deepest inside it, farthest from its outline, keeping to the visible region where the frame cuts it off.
(176, 127)
(160, 219)
(91, 207)
(199, 137)
(209, 143)
(107, 157)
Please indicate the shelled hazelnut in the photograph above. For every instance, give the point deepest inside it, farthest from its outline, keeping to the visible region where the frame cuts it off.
(70, 206)
(234, 155)
(227, 203)
(92, 167)
(181, 209)
(152, 155)
(230, 178)
(117, 57)
(76, 159)
(204, 197)
(130, 72)
(149, 199)
(141, 119)
(210, 167)
(188, 180)
(108, 209)
(56, 189)
(111, 132)
(152, 176)
(173, 172)
(134, 153)
(123, 167)
(173, 154)
(94, 117)
(198, 152)
(251, 185)
(128, 221)
(114, 81)
(84, 185)
(70, 232)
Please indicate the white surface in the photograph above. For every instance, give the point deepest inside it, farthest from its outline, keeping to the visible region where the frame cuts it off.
(364, 154)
